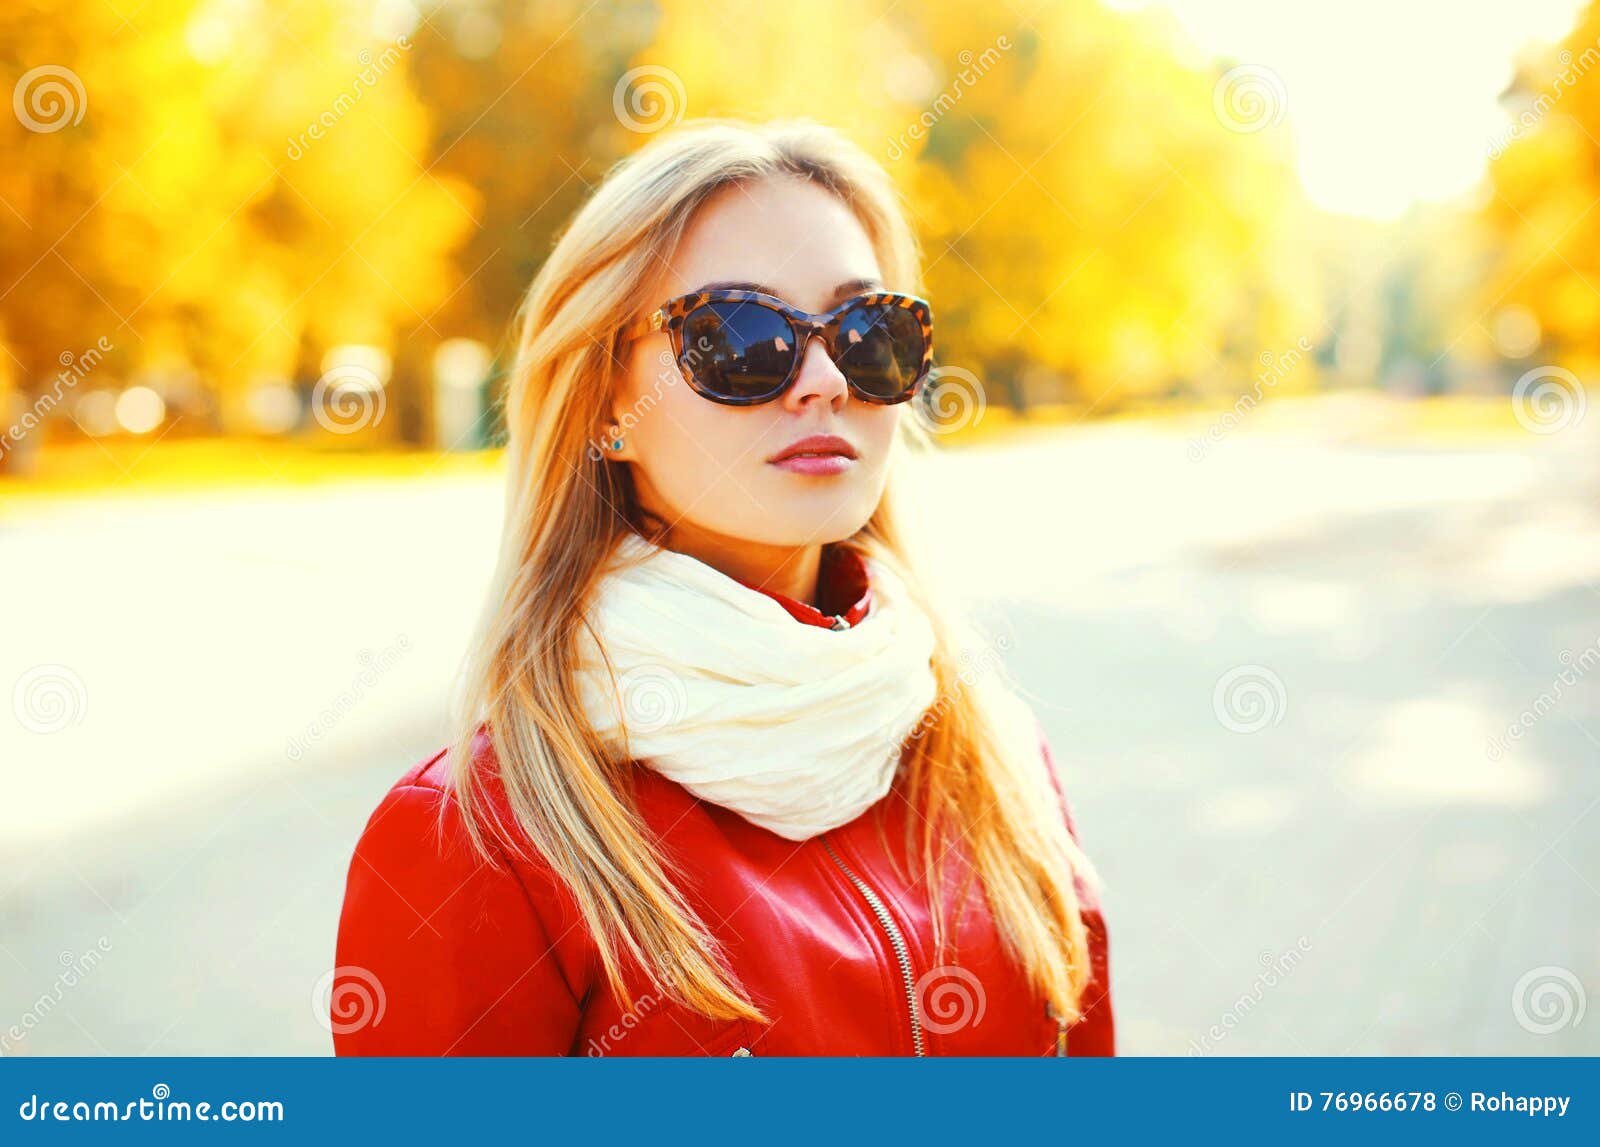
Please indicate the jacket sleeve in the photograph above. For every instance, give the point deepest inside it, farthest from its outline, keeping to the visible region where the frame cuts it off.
(439, 952)
(1095, 1033)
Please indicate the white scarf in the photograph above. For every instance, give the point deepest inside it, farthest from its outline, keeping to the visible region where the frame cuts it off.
(795, 727)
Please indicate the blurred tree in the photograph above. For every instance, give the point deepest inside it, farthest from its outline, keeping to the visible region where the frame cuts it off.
(226, 187)
(1546, 182)
(521, 97)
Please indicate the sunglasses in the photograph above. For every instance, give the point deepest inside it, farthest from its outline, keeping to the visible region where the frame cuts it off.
(741, 348)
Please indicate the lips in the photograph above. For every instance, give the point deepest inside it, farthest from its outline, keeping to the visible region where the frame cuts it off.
(816, 446)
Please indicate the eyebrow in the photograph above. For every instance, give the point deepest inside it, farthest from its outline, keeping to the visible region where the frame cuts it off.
(842, 291)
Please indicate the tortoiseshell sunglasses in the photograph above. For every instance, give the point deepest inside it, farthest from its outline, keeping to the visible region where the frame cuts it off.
(741, 348)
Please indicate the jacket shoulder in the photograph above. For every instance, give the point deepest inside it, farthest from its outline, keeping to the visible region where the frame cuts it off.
(434, 772)
(471, 951)
(422, 812)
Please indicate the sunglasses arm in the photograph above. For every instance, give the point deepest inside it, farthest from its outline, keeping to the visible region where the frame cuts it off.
(654, 321)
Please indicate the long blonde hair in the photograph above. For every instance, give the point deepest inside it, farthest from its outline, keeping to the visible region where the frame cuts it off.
(566, 507)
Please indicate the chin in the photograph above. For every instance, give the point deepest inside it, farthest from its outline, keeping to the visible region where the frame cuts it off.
(817, 509)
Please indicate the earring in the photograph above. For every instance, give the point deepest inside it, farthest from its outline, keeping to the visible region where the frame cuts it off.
(616, 442)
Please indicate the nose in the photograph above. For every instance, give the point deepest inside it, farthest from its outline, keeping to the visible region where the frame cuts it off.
(819, 379)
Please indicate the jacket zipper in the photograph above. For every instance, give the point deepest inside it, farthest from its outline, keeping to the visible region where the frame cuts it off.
(896, 941)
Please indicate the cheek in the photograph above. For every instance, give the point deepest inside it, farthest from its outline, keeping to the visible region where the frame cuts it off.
(880, 424)
(725, 437)
(687, 444)
(874, 429)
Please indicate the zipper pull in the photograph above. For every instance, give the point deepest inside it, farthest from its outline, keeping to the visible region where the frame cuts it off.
(1061, 1028)
(839, 622)
(741, 1051)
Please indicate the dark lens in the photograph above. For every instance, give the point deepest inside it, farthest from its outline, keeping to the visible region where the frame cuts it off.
(880, 348)
(738, 350)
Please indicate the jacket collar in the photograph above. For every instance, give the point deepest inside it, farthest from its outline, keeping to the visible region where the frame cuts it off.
(844, 591)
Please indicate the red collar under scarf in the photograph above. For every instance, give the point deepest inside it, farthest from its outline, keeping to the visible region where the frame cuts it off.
(844, 591)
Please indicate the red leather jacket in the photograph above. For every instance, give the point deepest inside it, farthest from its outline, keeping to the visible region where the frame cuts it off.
(442, 954)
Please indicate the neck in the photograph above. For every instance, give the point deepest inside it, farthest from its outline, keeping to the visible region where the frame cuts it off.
(789, 570)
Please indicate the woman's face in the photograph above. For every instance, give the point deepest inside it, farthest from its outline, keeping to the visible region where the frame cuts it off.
(705, 467)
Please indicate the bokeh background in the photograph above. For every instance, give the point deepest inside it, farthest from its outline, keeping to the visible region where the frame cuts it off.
(1267, 336)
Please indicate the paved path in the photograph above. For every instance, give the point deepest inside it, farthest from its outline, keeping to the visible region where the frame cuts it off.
(1276, 677)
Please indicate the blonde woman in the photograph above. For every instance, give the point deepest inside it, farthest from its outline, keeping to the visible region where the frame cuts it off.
(726, 782)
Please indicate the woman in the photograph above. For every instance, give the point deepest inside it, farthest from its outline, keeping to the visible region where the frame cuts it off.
(727, 782)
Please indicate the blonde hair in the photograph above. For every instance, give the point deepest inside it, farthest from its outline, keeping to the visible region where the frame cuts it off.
(566, 507)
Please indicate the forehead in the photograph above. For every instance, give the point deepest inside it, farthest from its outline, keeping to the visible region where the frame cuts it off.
(791, 235)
